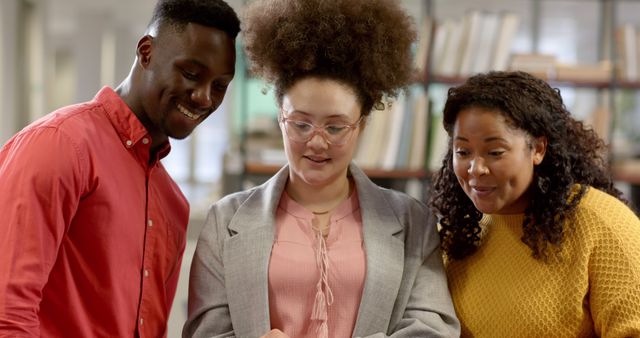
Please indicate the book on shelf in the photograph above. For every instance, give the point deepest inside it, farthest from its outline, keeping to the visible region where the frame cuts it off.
(600, 72)
(449, 58)
(419, 133)
(397, 116)
(547, 67)
(370, 150)
(438, 141)
(424, 45)
(479, 42)
(396, 138)
(487, 43)
(628, 52)
(509, 23)
(472, 24)
(440, 39)
(540, 65)
(401, 159)
(600, 121)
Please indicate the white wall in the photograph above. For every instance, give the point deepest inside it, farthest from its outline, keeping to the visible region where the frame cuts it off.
(8, 68)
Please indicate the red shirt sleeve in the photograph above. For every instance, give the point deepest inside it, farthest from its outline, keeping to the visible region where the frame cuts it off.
(41, 183)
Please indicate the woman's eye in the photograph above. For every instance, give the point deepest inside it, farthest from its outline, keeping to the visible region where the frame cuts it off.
(303, 126)
(496, 153)
(461, 152)
(335, 129)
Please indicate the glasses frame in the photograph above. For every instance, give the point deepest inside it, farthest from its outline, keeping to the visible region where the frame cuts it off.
(320, 129)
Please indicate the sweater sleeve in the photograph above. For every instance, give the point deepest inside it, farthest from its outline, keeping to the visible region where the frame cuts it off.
(614, 270)
(40, 187)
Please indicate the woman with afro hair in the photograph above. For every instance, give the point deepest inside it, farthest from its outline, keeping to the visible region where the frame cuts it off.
(319, 250)
(538, 242)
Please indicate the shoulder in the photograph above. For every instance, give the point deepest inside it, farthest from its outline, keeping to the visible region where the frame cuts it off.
(229, 204)
(51, 144)
(412, 216)
(606, 222)
(67, 118)
(400, 203)
(405, 204)
(377, 197)
(66, 128)
(598, 207)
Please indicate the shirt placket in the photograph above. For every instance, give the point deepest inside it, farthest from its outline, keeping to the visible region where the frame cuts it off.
(151, 229)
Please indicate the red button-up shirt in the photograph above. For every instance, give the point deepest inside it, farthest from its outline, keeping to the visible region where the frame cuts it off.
(92, 230)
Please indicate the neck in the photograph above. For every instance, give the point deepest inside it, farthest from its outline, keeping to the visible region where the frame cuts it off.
(319, 200)
(129, 96)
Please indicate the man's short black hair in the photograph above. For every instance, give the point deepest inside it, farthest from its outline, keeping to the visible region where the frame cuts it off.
(211, 13)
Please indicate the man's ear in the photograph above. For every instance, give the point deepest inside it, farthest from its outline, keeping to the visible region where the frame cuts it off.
(143, 50)
(539, 149)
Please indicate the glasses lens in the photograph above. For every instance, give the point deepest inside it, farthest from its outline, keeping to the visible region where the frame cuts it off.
(337, 134)
(299, 131)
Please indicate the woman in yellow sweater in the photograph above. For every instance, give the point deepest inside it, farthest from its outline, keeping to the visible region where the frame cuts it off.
(538, 242)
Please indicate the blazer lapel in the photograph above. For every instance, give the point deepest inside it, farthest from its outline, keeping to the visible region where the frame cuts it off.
(385, 257)
(246, 258)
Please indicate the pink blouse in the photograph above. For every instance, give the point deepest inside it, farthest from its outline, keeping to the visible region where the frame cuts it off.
(297, 260)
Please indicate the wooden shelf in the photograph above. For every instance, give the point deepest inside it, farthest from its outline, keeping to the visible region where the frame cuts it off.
(627, 171)
(457, 80)
(627, 85)
(256, 168)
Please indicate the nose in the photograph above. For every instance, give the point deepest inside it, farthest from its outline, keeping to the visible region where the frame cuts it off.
(201, 96)
(477, 167)
(318, 139)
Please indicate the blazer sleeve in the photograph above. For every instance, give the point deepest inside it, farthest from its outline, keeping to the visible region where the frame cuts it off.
(428, 309)
(208, 310)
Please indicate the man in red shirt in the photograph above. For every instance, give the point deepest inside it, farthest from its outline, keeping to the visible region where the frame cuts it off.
(92, 228)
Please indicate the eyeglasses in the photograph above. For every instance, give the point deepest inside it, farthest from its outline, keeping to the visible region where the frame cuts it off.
(334, 134)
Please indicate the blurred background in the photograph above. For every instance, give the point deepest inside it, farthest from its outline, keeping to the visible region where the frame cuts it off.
(59, 52)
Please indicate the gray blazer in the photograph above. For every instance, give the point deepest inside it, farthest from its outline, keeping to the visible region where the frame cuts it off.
(405, 290)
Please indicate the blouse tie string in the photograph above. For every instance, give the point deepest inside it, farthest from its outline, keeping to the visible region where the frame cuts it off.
(324, 295)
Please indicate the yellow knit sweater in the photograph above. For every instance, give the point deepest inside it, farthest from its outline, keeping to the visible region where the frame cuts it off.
(593, 290)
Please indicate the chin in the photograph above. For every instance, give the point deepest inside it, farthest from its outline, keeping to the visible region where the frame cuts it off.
(313, 179)
(181, 135)
(486, 209)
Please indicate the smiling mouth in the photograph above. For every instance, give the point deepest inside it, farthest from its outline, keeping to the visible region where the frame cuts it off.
(482, 191)
(317, 159)
(187, 113)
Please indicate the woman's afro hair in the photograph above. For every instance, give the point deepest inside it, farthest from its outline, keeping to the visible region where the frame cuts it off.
(365, 44)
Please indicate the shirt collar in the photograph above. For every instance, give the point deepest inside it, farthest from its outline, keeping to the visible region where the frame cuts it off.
(129, 128)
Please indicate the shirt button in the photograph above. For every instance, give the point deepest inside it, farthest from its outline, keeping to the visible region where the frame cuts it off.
(129, 143)
(149, 222)
(145, 140)
(141, 321)
(146, 273)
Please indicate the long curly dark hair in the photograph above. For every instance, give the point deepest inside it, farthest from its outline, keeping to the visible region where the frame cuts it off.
(365, 44)
(575, 159)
